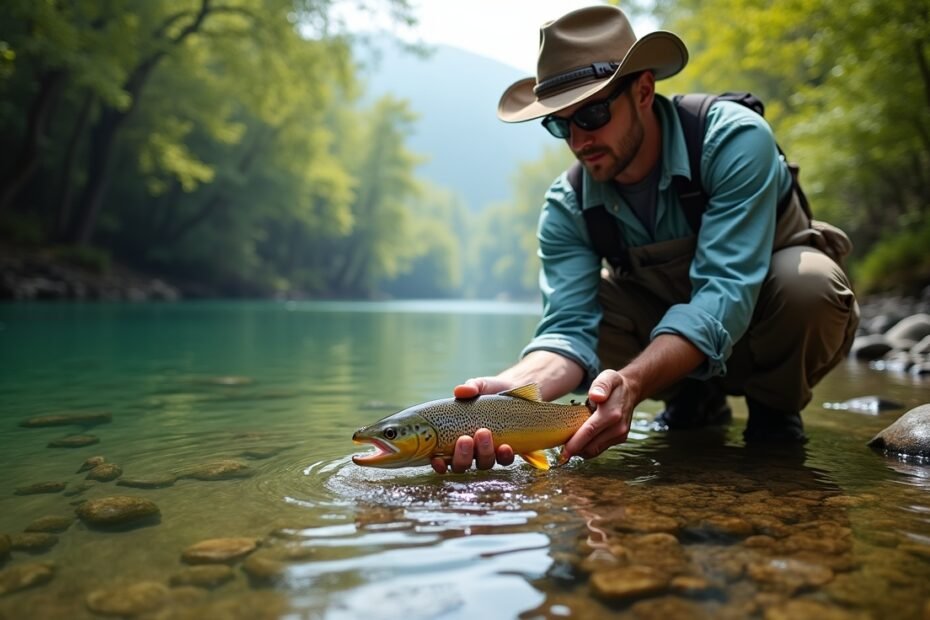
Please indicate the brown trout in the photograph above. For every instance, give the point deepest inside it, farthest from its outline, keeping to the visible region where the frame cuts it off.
(518, 417)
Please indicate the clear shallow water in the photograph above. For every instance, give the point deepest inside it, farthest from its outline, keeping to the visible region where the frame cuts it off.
(280, 387)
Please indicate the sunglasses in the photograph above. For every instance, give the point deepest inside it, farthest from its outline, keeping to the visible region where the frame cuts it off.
(590, 117)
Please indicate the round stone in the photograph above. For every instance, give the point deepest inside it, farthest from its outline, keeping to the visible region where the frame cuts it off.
(24, 576)
(219, 550)
(263, 570)
(79, 419)
(105, 472)
(628, 582)
(155, 482)
(131, 600)
(41, 487)
(207, 576)
(33, 542)
(116, 510)
(220, 470)
(909, 435)
(789, 574)
(51, 523)
(74, 441)
(91, 462)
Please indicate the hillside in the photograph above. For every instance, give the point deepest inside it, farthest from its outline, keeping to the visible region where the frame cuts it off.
(455, 93)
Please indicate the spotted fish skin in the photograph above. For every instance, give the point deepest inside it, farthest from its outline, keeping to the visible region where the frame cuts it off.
(518, 417)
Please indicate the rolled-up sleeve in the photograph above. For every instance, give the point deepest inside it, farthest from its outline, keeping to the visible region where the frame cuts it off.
(742, 173)
(569, 281)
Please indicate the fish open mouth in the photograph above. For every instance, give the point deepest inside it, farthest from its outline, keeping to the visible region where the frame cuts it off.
(382, 450)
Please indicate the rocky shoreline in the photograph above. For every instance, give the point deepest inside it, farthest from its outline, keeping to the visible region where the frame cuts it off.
(894, 334)
(38, 277)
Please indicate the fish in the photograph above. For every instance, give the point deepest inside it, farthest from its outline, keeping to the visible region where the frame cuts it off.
(518, 417)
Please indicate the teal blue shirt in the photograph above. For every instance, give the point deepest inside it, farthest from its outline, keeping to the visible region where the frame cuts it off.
(744, 176)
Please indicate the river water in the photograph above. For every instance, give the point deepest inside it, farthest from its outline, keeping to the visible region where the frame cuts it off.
(679, 525)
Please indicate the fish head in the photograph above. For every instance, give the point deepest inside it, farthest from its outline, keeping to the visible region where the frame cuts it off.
(401, 440)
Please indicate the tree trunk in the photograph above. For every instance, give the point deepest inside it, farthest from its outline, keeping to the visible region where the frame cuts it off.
(28, 159)
(103, 135)
(66, 183)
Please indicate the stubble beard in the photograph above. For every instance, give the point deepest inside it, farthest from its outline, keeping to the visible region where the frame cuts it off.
(619, 155)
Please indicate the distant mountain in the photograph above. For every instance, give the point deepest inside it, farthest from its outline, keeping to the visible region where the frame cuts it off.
(455, 93)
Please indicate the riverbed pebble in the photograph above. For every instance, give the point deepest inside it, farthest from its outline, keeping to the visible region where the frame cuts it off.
(74, 441)
(105, 472)
(41, 487)
(207, 576)
(788, 575)
(154, 482)
(22, 576)
(117, 510)
(219, 470)
(892, 335)
(33, 542)
(909, 435)
(128, 600)
(219, 550)
(50, 523)
(91, 462)
(263, 570)
(78, 419)
(628, 582)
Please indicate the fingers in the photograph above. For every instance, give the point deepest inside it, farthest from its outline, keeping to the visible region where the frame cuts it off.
(479, 450)
(480, 385)
(610, 422)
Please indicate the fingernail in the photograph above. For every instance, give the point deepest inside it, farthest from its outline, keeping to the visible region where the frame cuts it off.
(598, 391)
(564, 457)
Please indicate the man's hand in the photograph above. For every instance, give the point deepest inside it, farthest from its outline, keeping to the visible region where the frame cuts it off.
(479, 449)
(615, 397)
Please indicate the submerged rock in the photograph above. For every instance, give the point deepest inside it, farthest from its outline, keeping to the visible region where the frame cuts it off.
(157, 482)
(41, 487)
(105, 472)
(909, 435)
(208, 576)
(263, 570)
(67, 419)
(91, 462)
(51, 523)
(628, 582)
(219, 550)
(220, 470)
(24, 576)
(74, 441)
(117, 510)
(5, 547)
(130, 600)
(33, 542)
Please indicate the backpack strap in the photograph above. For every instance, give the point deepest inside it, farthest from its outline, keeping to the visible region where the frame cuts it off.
(602, 226)
(692, 112)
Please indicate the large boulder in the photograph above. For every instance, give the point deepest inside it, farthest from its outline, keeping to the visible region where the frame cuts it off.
(909, 435)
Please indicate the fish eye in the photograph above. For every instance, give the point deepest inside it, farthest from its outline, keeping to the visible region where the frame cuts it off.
(390, 433)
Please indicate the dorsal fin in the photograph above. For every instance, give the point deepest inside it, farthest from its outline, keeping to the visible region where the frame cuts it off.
(530, 391)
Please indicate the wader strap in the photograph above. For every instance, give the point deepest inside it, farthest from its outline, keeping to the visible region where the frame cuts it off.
(603, 228)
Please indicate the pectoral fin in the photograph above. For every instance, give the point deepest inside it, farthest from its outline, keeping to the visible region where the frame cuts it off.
(538, 459)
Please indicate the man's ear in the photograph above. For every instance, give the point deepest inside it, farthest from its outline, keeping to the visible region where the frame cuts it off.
(644, 90)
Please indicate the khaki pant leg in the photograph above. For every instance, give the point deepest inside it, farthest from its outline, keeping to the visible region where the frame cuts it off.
(803, 325)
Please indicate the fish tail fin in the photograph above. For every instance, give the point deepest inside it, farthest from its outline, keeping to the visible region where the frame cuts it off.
(537, 458)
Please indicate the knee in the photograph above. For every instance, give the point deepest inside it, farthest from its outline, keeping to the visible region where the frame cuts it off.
(803, 279)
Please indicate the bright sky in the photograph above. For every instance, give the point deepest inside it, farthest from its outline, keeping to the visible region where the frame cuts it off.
(506, 30)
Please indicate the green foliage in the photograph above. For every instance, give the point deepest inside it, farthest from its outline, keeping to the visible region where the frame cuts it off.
(504, 240)
(89, 259)
(898, 263)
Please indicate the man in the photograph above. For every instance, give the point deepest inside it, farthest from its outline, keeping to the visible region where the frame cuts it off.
(752, 305)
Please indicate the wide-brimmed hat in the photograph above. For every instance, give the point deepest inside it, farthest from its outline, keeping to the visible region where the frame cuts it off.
(584, 52)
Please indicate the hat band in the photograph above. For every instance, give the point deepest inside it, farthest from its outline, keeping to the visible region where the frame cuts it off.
(560, 81)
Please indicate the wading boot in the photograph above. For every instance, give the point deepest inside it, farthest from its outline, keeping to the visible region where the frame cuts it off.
(699, 404)
(768, 425)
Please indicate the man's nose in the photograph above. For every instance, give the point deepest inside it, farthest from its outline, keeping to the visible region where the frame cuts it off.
(578, 138)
